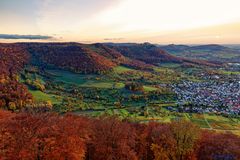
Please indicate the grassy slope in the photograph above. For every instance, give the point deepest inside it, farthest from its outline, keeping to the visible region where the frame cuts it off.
(42, 97)
(84, 80)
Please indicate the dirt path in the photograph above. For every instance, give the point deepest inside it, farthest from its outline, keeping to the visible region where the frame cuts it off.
(210, 127)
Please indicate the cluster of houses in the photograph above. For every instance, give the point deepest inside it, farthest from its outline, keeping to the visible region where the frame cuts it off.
(208, 97)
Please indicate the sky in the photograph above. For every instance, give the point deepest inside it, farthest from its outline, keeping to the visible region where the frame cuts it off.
(90, 21)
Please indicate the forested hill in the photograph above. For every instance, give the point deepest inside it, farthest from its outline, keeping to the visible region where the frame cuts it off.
(152, 54)
(98, 58)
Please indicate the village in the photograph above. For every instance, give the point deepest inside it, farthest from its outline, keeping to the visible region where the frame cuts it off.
(208, 97)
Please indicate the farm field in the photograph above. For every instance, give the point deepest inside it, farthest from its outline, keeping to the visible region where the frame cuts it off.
(40, 96)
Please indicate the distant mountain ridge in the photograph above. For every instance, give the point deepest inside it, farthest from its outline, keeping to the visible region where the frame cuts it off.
(211, 52)
(152, 54)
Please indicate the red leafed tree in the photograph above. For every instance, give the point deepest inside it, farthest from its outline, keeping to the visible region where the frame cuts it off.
(112, 140)
(218, 146)
(164, 145)
(145, 140)
(175, 141)
(14, 95)
(43, 136)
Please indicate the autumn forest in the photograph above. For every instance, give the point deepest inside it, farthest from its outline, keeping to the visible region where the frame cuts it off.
(50, 136)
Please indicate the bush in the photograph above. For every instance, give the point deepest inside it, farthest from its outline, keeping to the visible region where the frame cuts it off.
(134, 86)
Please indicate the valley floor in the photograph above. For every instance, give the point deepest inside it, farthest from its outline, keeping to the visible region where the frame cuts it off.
(95, 95)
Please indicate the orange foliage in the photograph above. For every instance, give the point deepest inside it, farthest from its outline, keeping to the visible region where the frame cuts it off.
(71, 56)
(43, 136)
(213, 145)
(51, 136)
(112, 140)
(13, 95)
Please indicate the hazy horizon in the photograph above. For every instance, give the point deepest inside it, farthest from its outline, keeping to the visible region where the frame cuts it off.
(120, 21)
(7, 41)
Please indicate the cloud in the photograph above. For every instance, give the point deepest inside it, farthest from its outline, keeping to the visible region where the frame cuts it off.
(29, 37)
(113, 39)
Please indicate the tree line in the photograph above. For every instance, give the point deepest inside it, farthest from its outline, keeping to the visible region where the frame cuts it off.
(31, 135)
(13, 95)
